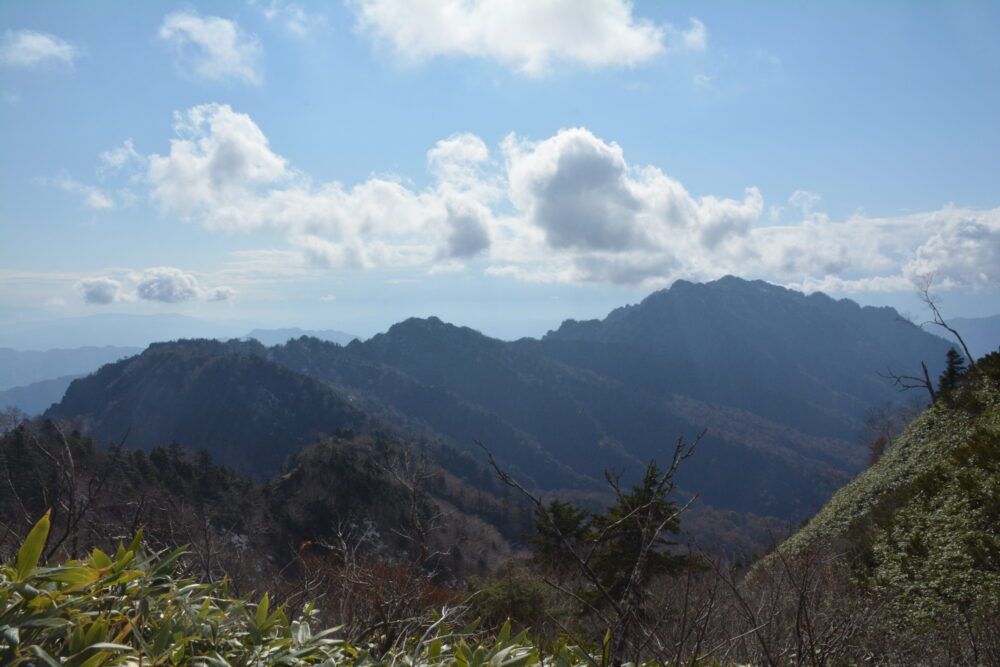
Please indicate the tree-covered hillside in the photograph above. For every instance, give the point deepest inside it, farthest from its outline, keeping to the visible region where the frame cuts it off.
(781, 382)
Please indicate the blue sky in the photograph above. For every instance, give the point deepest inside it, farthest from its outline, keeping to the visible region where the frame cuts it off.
(501, 165)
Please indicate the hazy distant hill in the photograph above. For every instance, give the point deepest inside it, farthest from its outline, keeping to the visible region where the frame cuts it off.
(271, 337)
(19, 368)
(35, 398)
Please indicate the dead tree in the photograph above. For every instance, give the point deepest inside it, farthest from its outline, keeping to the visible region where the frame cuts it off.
(907, 382)
(924, 292)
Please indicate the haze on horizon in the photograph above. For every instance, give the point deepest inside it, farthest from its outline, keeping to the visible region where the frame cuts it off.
(502, 166)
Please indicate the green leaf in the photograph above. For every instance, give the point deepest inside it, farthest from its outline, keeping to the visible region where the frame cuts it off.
(47, 623)
(31, 550)
(261, 617)
(42, 654)
(100, 560)
(77, 576)
(504, 633)
(110, 646)
(136, 542)
(462, 654)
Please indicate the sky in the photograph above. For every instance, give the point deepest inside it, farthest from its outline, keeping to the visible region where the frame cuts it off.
(502, 165)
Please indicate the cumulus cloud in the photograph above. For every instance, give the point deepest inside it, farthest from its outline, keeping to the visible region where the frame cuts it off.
(222, 171)
(963, 251)
(215, 48)
(567, 208)
(614, 222)
(528, 36)
(575, 188)
(26, 49)
(162, 283)
(219, 159)
(167, 284)
(101, 290)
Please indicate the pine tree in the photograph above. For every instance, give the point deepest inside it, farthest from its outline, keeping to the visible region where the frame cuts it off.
(632, 535)
(954, 372)
(562, 527)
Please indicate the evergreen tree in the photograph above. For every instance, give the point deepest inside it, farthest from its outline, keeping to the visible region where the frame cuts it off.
(629, 542)
(562, 527)
(954, 372)
(632, 535)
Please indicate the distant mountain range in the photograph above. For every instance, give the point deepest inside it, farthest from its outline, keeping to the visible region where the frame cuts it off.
(19, 368)
(281, 336)
(37, 397)
(781, 382)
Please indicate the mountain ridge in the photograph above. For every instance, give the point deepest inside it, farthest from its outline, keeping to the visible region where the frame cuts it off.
(561, 410)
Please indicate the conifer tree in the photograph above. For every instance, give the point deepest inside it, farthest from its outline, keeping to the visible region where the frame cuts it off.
(954, 372)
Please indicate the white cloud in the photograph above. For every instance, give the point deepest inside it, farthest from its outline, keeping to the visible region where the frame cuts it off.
(120, 157)
(694, 38)
(326, 298)
(838, 285)
(162, 283)
(222, 171)
(219, 294)
(216, 48)
(528, 36)
(219, 159)
(575, 188)
(28, 48)
(251, 265)
(293, 17)
(963, 251)
(167, 284)
(568, 208)
(806, 202)
(610, 221)
(93, 197)
(447, 267)
(101, 290)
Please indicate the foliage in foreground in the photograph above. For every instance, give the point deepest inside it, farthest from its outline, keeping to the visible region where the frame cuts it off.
(131, 609)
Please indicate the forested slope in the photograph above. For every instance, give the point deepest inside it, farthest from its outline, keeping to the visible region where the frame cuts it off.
(922, 526)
